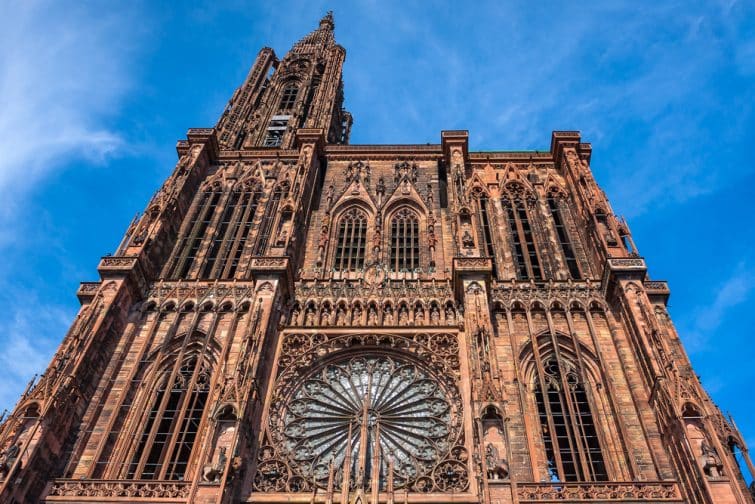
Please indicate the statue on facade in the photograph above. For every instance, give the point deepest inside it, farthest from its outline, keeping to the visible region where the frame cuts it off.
(498, 468)
(419, 316)
(212, 473)
(310, 317)
(403, 316)
(372, 318)
(340, 317)
(388, 316)
(711, 462)
(7, 459)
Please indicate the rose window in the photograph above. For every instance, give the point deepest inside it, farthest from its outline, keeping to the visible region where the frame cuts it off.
(366, 417)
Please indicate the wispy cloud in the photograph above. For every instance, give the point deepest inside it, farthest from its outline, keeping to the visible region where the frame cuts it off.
(29, 339)
(700, 325)
(64, 71)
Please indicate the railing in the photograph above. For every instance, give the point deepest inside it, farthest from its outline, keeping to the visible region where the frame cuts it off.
(135, 490)
(646, 491)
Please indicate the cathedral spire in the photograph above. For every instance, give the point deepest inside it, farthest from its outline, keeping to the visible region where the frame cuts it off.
(321, 38)
(326, 23)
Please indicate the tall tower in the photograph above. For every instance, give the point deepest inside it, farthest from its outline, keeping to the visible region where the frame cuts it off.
(296, 319)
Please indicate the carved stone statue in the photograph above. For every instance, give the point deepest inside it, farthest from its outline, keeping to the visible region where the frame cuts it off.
(403, 316)
(388, 316)
(310, 317)
(7, 459)
(340, 317)
(450, 315)
(356, 316)
(434, 316)
(372, 317)
(212, 473)
(467, 240)
(325, 317)
(419, 316)
(498, 468)
(711, 462)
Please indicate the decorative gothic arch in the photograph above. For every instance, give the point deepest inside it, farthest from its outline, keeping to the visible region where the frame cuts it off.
(518, 201)
(171, 407)
(403, 240)
(352, 229)
(564, 378)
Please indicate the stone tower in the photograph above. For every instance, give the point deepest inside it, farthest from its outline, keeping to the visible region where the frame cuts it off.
(297, 319)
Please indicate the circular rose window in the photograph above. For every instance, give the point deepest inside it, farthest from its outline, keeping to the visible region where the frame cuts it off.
(379, 414)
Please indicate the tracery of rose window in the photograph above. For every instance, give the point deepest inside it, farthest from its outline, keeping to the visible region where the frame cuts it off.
(366, 416)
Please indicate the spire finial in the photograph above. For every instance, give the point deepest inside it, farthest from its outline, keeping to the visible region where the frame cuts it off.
(327, 21)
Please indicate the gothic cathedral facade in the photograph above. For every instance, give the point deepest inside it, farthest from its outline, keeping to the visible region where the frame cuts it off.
(294, 319)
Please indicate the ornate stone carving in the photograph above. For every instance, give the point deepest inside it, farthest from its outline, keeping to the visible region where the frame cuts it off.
(598, 492)
(120, 488)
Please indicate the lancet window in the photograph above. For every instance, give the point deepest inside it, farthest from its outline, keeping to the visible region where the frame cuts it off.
(288, 98)
(174, 414)
(268, 220)
(217, 232)
(527, 261)
(189, 246)
(572, 446)
(405, 241)
(487, 234)
(352, 238)
(556, 205)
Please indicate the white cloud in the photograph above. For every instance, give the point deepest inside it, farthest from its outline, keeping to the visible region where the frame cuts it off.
(705, 319)
(63, 74)
(28, 341)
(65, 71)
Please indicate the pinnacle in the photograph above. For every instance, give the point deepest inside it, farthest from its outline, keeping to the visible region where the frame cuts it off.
(327, 21)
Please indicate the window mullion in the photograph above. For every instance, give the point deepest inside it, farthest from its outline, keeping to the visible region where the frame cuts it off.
(147, 450)
(352, 235)
(522, 240)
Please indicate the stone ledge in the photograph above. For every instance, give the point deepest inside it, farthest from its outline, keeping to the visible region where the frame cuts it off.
(646, 491)
(658, 290)
(87, 291)
(623, 268)
(71, 490)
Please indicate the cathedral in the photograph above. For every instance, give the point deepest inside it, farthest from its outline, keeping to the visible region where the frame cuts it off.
(294, 319)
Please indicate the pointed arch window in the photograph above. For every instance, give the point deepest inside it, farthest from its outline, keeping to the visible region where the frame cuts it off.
(568, 428)
(171, 426)
(288, 97)
(405, 241)
(556, 206)
(352, 238)
(526, 259)
(214, 243)
(266, 227)
(189, 246)
(487, 232)
(242, 228)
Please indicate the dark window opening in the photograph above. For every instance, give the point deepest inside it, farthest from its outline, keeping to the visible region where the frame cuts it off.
(288, 98)
(568, 430)
(526, 259)
(405, 241)
(221, 236)
(172, 424)
(268, 221)
(352, 238)
(199, 224)
(563, 238)
(275, 131)
(487, 234)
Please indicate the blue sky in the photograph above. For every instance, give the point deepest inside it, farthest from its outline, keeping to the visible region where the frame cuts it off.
(95, 95)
